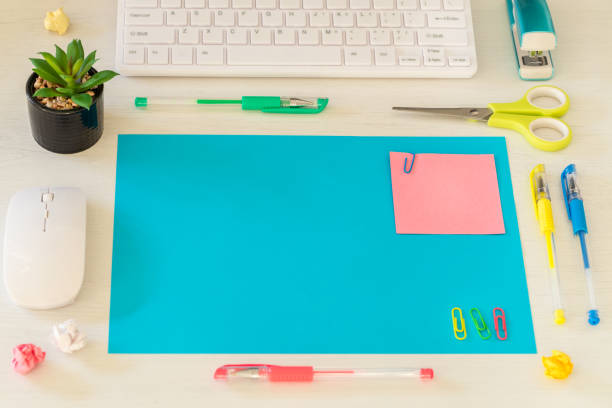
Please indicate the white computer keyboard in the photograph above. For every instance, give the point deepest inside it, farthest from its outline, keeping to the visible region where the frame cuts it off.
(313, 38)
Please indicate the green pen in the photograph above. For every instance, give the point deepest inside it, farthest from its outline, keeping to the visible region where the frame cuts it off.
(268, 104)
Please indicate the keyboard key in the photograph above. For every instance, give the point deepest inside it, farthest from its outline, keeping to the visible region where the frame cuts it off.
(459, 61)
(170, 4)
(289, 4)
(442, 37)
(212, 36)
(337, 4)
(200, 18)
(272, 18)
(308, 36)
(224, 18)
(331, 36)
(242, 4)
(343, 19)
(319, 19)
(390, 19)
(265, 4)
(284, 36)
(157, 55)
(182, 55)
(360, 4)
(195, 3)
(380, 37)
(414, 19)
(446, 19)
(312, 4)
(383, 4)
(403, 37)
(261, 36)
(431, 4)
(453, 4)
(295, 18)
(407, 4)
(356, 37)
(149, 35)
(434, 57)
(357, 56)
(409, 56)
(384, 55)
(210, 55)
(189, 35)
(218, 4)
(141, 3)
(367, 19)
(237, 36)
(248, 18)
(144, 17)
(176, 18)
(247, 55)
(133, 54)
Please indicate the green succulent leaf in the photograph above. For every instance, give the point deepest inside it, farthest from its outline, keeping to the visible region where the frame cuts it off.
(49, 76)
(70, 82)
(77, 66)
(97, 79)
(80, 51)
(44, 70)
(87, 64)
(73, 54)
(47, 93)
(62, 59)
(82, 99)
(65, 91)
(52, 61)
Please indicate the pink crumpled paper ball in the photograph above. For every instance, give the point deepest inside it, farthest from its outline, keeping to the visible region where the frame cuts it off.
(26, 357)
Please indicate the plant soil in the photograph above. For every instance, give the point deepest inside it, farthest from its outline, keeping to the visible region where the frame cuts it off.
(58, 102)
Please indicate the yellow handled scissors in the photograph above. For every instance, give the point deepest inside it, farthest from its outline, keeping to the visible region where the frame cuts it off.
(525, 116)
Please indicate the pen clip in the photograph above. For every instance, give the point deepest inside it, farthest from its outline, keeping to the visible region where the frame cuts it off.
(569, 169)
(319, 107)
(533, 190)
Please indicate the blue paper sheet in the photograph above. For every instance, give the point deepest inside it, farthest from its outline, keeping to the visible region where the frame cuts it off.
(287, 244)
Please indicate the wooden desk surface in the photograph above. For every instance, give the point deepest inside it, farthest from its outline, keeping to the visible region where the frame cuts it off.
(93, 378)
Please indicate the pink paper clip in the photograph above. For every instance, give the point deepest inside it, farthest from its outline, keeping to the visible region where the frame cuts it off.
(502, 317)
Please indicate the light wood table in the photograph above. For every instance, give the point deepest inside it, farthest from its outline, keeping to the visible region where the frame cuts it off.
(93, 378)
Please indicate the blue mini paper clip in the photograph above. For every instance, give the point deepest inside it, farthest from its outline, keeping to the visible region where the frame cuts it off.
(411, 164)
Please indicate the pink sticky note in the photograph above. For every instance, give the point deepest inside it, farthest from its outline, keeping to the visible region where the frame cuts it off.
(446, 194)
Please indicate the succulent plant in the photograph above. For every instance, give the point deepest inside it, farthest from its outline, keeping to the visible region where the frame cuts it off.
(67, 69)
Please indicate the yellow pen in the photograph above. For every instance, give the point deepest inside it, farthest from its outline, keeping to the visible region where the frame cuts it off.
(543, 211)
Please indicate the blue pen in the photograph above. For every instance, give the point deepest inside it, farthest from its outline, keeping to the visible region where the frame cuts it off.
(575, 212)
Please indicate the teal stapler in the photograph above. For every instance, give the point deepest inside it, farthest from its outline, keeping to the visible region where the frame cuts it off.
(534, 37)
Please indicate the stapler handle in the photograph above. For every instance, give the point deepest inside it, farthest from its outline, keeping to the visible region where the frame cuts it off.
(534, 25)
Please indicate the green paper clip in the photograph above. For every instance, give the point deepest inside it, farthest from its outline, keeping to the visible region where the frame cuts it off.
(480, 324)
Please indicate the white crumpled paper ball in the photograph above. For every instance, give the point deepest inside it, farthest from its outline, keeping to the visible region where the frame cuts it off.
(67, 337)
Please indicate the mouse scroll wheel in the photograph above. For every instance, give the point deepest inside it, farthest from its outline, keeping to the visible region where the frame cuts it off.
(46, 197)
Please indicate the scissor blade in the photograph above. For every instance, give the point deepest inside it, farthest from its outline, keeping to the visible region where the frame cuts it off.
(481, 114)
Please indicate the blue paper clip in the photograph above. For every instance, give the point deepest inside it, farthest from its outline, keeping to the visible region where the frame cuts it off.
(480, 324)
(411, 164)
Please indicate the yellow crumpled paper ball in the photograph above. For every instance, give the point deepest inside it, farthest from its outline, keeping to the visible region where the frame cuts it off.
(558, 366)
(57, 21)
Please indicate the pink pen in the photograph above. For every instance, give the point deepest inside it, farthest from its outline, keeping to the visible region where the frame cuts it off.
(276, 373)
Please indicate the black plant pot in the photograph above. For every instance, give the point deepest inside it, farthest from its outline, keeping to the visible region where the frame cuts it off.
(66, 131)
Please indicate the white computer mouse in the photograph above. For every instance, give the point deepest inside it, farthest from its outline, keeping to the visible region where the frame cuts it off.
(44, 246)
